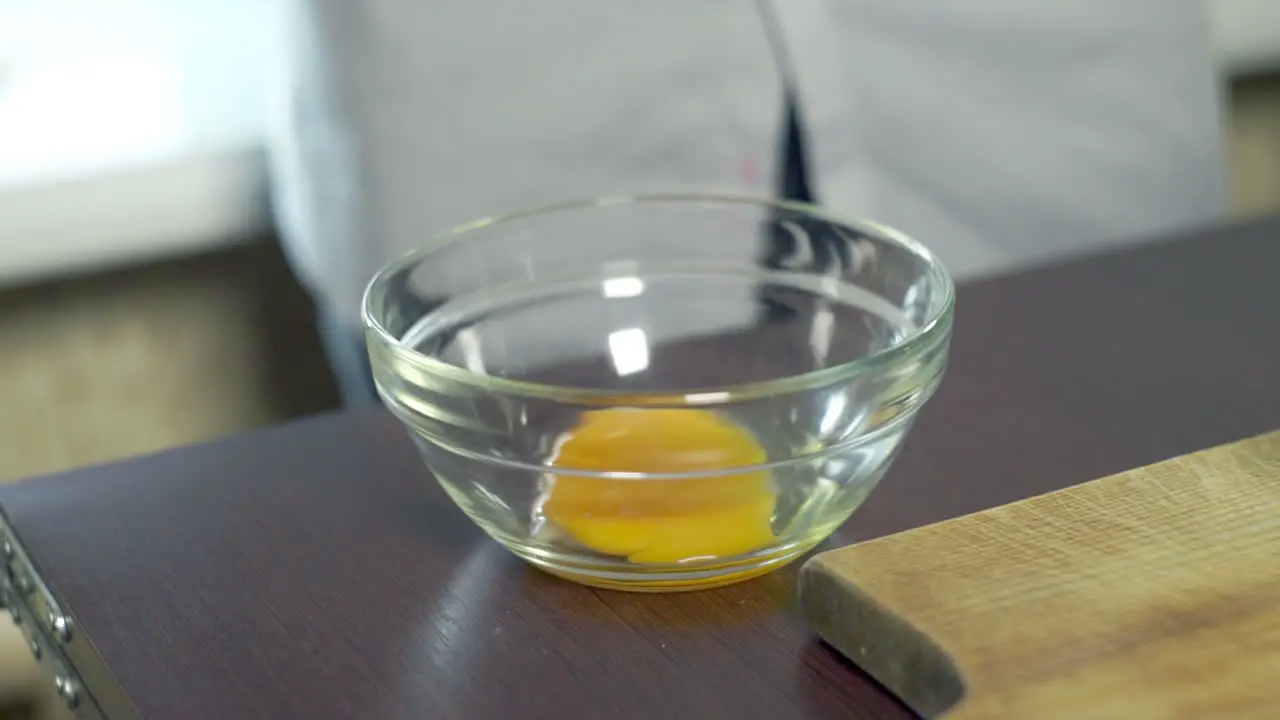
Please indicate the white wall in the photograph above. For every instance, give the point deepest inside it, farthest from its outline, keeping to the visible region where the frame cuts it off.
(129, 129)
(1247, 34)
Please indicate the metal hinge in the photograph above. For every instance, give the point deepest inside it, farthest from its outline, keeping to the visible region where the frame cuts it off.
(47, 629)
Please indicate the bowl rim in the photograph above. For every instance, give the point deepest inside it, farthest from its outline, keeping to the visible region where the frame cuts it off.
(935, 326)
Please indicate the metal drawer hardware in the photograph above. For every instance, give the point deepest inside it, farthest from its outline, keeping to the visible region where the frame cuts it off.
(47, 629)
(69, 690)
(59, 626)
(21, 575)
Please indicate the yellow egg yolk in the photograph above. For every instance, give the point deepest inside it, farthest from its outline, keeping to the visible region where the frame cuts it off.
(661, 520)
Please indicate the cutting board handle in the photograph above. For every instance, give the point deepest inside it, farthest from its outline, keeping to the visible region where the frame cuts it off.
(904, 659)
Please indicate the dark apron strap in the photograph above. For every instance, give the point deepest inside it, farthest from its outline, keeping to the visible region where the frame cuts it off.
(792, 240)
(794, 174)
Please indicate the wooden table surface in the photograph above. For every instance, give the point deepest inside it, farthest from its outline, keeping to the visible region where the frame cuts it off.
(316, 571)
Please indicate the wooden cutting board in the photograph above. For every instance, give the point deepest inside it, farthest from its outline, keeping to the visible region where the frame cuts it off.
(1154, 593)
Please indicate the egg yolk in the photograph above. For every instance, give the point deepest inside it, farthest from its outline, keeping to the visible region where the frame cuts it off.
(661, 520)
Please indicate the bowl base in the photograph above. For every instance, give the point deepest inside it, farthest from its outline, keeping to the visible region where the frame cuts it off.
(668, 581)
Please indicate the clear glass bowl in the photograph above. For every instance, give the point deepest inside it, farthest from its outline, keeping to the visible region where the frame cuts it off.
(660, 392)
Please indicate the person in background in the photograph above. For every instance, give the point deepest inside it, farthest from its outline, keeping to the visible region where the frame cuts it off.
(1001, 133)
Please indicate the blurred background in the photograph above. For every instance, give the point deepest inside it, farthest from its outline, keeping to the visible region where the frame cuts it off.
(144, 302)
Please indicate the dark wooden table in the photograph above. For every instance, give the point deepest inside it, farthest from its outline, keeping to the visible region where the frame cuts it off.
(315, 570)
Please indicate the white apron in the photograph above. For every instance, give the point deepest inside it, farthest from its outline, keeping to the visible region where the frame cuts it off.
(999, 132)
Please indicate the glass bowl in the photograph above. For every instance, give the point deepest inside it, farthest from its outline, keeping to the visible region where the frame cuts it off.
(660, 392)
